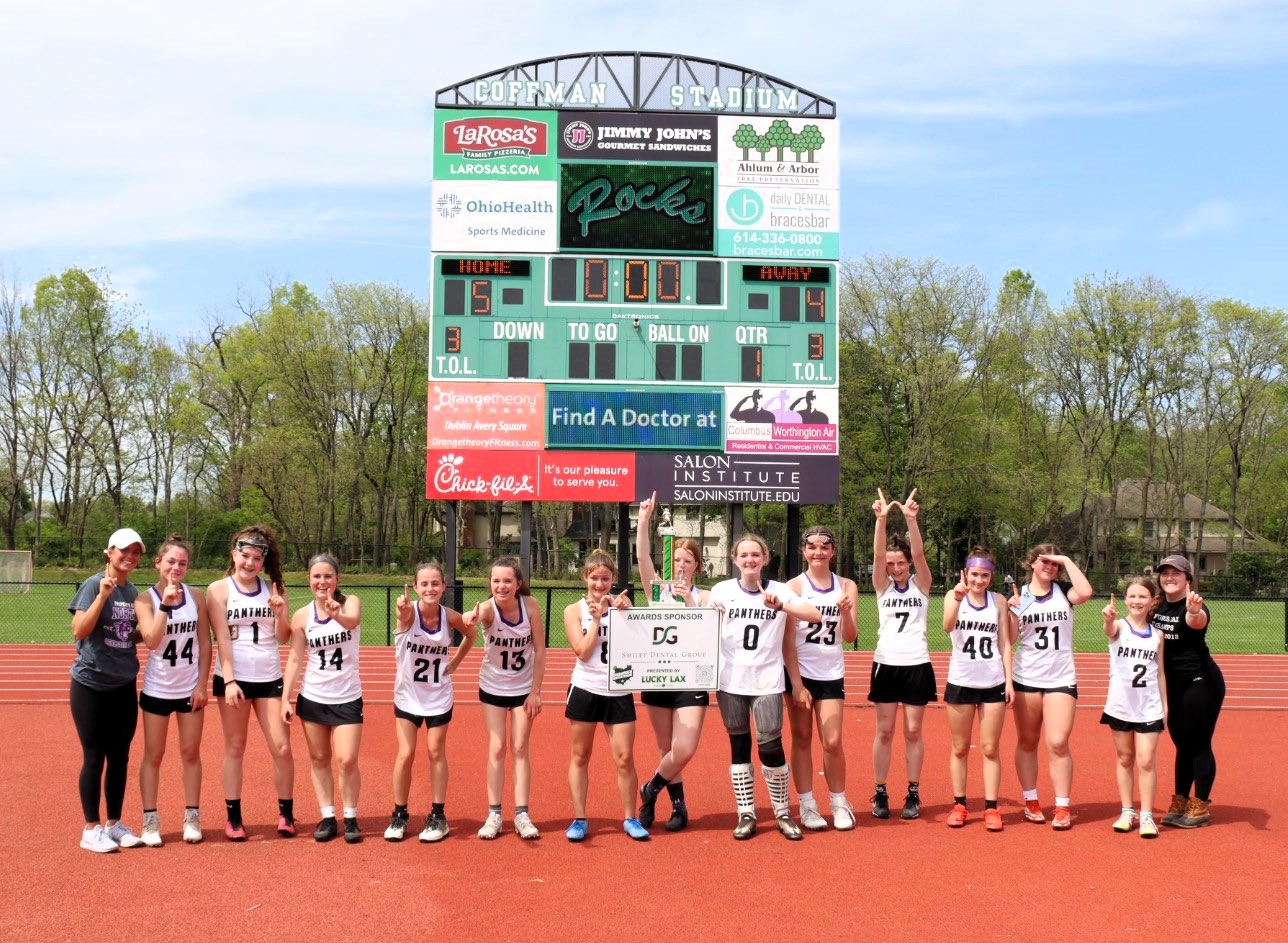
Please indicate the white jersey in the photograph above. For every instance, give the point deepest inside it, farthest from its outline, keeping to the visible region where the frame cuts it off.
(1134, 695)
(976, 661)
(1044, 658)
(751, 638)
(507, 654)
(251, 625)
(421, 684)
(591, 674)
(172, 669)
(818, 644)
(901, 625)
(332, 673)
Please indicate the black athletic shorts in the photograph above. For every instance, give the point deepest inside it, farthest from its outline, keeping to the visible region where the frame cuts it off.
(1131, 726)
(1069, 689)
(956, 694)
(251, 690)
(165, 706)
(429, 720)
(675, 699)
(588, 708)
(328, 715)
(903, 684)
(833, 690)
(508, 701)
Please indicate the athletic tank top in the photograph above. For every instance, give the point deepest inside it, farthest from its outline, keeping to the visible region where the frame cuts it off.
(1044, 658)
(172, 667)
(507, 654)
(976, 661)
(591, 674)
(901, 625)
(818, 644)
(332, 674)
(751, 638)
(250, 625)
(421, 683)
(1134, 694)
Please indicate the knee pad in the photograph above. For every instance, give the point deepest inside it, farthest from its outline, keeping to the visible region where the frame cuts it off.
(771, 753)
(740, 748)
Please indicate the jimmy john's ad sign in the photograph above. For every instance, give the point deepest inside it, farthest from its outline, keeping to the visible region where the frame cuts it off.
(648, 137)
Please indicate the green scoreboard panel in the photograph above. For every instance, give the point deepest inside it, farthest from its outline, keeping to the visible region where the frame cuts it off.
(613, 319)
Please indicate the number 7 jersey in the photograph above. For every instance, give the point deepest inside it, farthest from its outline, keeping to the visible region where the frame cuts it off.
(1044, 657)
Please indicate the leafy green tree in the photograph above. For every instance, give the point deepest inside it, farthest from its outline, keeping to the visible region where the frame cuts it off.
(745, 138)
(779, 137)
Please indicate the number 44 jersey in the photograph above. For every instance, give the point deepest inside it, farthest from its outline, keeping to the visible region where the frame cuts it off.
(171, 672)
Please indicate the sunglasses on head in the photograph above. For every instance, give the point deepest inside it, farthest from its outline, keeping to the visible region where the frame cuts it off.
(252, 543)
(818, 540)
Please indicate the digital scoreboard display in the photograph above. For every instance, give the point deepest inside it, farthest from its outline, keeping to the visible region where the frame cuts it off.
(666, 208)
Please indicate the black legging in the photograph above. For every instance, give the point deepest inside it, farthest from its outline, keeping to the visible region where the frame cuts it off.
(105, 722)
(1193, 705)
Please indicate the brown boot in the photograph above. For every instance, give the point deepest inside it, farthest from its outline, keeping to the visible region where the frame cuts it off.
(1196, 815)
(1176, 810)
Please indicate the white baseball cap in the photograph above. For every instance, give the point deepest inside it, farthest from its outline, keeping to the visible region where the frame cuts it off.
(126, 537)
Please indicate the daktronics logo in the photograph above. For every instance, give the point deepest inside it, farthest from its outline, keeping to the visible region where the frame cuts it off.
(490, 138)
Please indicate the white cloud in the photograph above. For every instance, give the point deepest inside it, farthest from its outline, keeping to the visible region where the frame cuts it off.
(1211, 217)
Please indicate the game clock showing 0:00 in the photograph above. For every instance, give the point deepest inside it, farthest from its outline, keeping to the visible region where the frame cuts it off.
(616, 318)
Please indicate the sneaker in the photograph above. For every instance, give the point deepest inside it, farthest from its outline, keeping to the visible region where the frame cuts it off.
(881, 806)
(746, 826)
(787, 827)
(95, 839)
(285, 827)
(1196, 815)
(679, 819)
(957, 817)
(911, 806)
(812, 820)
(576, 832)
(523, 827)
(234, 832)
(842, 817)
(397, 829)
(1176, 811)
(124, 836)
(993, 820)
(1147, 827)
(327, 829)
(633, 828)
(192, 826)
(1126, 821)
(648, 807)
(353, 834)
(1033, 812)
(1062, 818)
(491, 826)
(435, 827)
(151, 829)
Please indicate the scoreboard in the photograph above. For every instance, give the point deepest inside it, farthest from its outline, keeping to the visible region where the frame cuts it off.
(645, 320)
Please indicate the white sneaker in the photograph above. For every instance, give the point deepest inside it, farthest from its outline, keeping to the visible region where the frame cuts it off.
(397, 829)
(96, 839)
(523, 826)
(491, 826)
(843, 816)
(192, 826)
(152, 829)
(436, 828)
(1126, 821)
(123, 835)
(812, 820)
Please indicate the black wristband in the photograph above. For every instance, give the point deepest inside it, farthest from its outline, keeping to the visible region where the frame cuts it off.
(164, 608)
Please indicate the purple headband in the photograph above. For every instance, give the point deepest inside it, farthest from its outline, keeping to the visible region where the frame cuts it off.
(983, 563)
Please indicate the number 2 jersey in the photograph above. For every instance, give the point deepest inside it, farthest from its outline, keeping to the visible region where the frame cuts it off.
(421, 684)
(818, 644)
(751, 637)
(507, 654)
(1044, 657)
(1134, 695)
(251, 625)
(976, 661)
(171, 670)
(332, 673)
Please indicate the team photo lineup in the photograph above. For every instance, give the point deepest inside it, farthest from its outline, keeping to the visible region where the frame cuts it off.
(780, 659)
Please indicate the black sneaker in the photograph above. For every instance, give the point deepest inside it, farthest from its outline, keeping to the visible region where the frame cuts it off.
(881, 806)
(326, 829)
(911, 806)
(648, 807)
(352, 834)
(679, 819)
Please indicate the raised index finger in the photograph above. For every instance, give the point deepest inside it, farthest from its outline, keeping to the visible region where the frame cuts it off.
(911, 495)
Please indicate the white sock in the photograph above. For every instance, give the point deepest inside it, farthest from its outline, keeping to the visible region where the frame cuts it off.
(350, 812)
(1062, 802)
(837, 799)
(328, 812)
(1030, 795)
(807, 800)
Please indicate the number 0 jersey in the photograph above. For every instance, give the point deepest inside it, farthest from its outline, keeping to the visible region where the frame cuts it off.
(901, 625)
(818, 644)
(507, 654)
(421, 683)
(1044, 657)
(976, 661)
(751, 637)
(250, 626)
(1133, 675)
(332, 673)
(171, 671)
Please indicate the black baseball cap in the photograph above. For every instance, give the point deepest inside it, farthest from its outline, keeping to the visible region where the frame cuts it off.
(1176, 562)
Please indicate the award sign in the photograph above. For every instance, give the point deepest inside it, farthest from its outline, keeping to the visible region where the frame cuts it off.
(663, 648)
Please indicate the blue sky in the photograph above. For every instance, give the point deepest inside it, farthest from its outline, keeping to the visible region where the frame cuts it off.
(198, 158)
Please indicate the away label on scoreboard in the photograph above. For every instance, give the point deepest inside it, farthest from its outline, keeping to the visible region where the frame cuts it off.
(797, 420)
(634, 418)
(486, 416)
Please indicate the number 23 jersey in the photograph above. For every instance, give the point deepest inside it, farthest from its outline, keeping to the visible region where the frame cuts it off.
(1044, 657)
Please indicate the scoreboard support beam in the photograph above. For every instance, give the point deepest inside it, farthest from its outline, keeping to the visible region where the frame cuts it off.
(624, 550)
(525, 538)
(792, 561)
(451, 528)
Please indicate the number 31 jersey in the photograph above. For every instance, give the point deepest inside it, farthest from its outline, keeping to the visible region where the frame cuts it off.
(1044, 658)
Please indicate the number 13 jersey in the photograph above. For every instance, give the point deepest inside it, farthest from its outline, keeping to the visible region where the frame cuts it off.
(1044, 658)
(507, 654)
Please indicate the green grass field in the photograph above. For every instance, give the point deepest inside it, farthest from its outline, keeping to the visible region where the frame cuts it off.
(1238, 625)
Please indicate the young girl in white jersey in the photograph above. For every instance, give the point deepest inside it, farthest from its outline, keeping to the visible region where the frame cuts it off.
(1137, 693)
(1044, 678)
(756, 654)
(676, 716)
(982, 630)
(249, 617)
(514, 665)
(591, 703)
(173, 623)
(901, 669)
(423, 693)
(325, 636)
(821, 661)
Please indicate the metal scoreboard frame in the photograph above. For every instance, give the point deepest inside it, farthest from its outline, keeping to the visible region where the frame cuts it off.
(634, 255)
